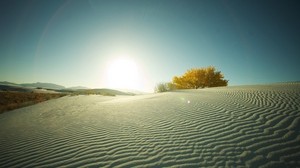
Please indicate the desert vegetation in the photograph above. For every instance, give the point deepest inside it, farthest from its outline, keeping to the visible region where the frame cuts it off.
(164, 87)
(13, 96)
(10, 100)
(193, 79)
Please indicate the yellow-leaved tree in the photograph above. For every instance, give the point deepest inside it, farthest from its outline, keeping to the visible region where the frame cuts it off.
(199, 78)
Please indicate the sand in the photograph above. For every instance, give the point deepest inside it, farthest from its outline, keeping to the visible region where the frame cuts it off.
(245, 126)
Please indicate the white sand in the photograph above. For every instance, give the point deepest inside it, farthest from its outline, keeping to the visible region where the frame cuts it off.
(247, 126)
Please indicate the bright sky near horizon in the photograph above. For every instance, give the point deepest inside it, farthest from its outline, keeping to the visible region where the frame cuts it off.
(77, 42)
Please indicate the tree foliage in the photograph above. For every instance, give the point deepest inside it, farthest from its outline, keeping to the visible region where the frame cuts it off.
(199, 78)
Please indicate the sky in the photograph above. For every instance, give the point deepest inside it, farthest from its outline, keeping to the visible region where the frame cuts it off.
(74, 42)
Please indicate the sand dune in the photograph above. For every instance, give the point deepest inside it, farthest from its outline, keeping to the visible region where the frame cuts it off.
(246, 126)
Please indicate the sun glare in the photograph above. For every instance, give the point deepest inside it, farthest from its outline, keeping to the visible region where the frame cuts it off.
(123, 74)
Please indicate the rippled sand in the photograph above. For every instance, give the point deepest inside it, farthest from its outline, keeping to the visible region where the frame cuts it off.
(245, 126)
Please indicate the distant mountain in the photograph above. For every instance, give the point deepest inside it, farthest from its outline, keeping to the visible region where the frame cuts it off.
(132, 91)
(8, 83)
(77, 88)
(102, 92)
(111, 91)
(28, 87)
(43, 85)
(13, 87)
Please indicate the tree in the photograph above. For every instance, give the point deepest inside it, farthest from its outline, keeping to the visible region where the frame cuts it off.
(199, 78)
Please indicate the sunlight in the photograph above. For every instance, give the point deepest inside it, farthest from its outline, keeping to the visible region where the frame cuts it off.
(123, 73)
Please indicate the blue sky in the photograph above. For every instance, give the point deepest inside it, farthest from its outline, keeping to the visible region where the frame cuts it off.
(72, 42)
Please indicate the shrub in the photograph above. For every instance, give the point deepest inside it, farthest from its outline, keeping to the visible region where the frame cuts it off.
(160, 87)
(164, 87)
(199, 78)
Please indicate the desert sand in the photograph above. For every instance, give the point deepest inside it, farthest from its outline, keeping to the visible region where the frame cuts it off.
(242, 126)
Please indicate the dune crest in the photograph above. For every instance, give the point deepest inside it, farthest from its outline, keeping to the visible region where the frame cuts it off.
(245, 126)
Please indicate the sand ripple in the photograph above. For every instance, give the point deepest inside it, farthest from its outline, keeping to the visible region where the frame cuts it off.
(247, 126)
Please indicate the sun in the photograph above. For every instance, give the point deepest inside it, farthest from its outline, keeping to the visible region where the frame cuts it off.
(123, 73)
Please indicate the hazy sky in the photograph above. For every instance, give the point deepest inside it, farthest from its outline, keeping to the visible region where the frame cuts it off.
(72, 42)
